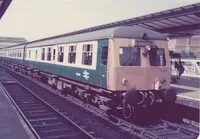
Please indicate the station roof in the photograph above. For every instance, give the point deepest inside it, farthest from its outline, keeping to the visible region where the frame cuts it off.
(10, 41)
(172, 21)
(3, 6)
(177, 22)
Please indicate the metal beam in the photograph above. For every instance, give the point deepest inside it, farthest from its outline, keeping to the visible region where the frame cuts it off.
(180, 28)
(4, 7)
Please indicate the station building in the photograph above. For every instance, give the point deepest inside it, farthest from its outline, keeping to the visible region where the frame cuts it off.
(188, 47)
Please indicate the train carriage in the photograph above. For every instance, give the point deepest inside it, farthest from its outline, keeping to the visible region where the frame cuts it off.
(118, 68)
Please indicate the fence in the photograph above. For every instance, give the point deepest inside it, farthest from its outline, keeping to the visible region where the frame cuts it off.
(191, 66)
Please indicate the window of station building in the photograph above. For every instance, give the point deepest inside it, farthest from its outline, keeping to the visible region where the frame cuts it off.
(72, 54)
(43, 54)
(60, 54)
(54, 54)
(49, 54)
(104, 57)
(87, 54)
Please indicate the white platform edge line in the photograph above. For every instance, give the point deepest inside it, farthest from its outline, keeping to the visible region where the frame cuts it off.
(185, 87)
(181, 96)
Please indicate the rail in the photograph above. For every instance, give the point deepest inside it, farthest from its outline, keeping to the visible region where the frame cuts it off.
(44, 120)
(160, 130)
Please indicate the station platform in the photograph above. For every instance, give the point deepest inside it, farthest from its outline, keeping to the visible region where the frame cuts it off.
(188, 92)
(12, 126)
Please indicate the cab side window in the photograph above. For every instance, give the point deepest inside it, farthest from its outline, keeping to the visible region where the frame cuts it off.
(104, 57)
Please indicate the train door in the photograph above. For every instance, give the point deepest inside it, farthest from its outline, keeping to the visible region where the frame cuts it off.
(102, 60)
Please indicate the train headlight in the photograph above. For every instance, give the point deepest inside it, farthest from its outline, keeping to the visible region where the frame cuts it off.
(125, 81)
(157, 85)
(148, 48)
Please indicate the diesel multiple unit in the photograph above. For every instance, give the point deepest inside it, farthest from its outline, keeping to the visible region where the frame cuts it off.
(122, 68)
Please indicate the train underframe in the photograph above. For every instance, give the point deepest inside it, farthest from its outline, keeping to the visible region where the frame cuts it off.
(124, 103)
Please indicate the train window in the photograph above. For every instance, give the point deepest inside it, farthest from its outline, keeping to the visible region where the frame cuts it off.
(104, 56)
(87, 54)
(25, 53)
(35, 54)
(54, 54)
(43, 54)
(49, 54)
(157, 57)
(19, 53)
(60, 54)
(72, 54)
(29, 53)
(129, 56)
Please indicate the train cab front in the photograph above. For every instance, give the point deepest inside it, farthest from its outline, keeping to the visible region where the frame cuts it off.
(142, 73)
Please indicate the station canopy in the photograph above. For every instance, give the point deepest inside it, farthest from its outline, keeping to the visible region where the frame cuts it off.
(177, 22)
(3, 6)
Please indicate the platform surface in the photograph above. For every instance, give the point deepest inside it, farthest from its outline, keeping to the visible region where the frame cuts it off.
(12, 126)
(188, 92)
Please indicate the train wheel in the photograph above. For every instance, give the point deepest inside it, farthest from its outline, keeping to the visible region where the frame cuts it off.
(170, 95)
(128, 111)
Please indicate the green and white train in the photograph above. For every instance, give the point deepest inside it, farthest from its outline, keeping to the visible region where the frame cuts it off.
(122, 68)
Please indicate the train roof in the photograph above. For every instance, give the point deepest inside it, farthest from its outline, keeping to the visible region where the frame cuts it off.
(117, 32)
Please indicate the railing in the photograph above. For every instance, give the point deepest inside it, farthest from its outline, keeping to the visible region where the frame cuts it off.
(191, 66)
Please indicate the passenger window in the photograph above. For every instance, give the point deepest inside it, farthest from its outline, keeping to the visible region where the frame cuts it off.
(49, 54)
(25, 54)
(87, 54)
(60, 54)
(72, 54)
(54, 54)
(20, 53)
(43, 54)
(104, 57)
(36, 54)
(29, 53)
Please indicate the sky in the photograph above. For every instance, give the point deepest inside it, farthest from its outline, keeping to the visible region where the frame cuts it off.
(36, 19)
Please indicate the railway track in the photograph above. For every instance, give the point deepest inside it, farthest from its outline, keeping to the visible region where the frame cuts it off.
(161, 130)
(45, 121)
